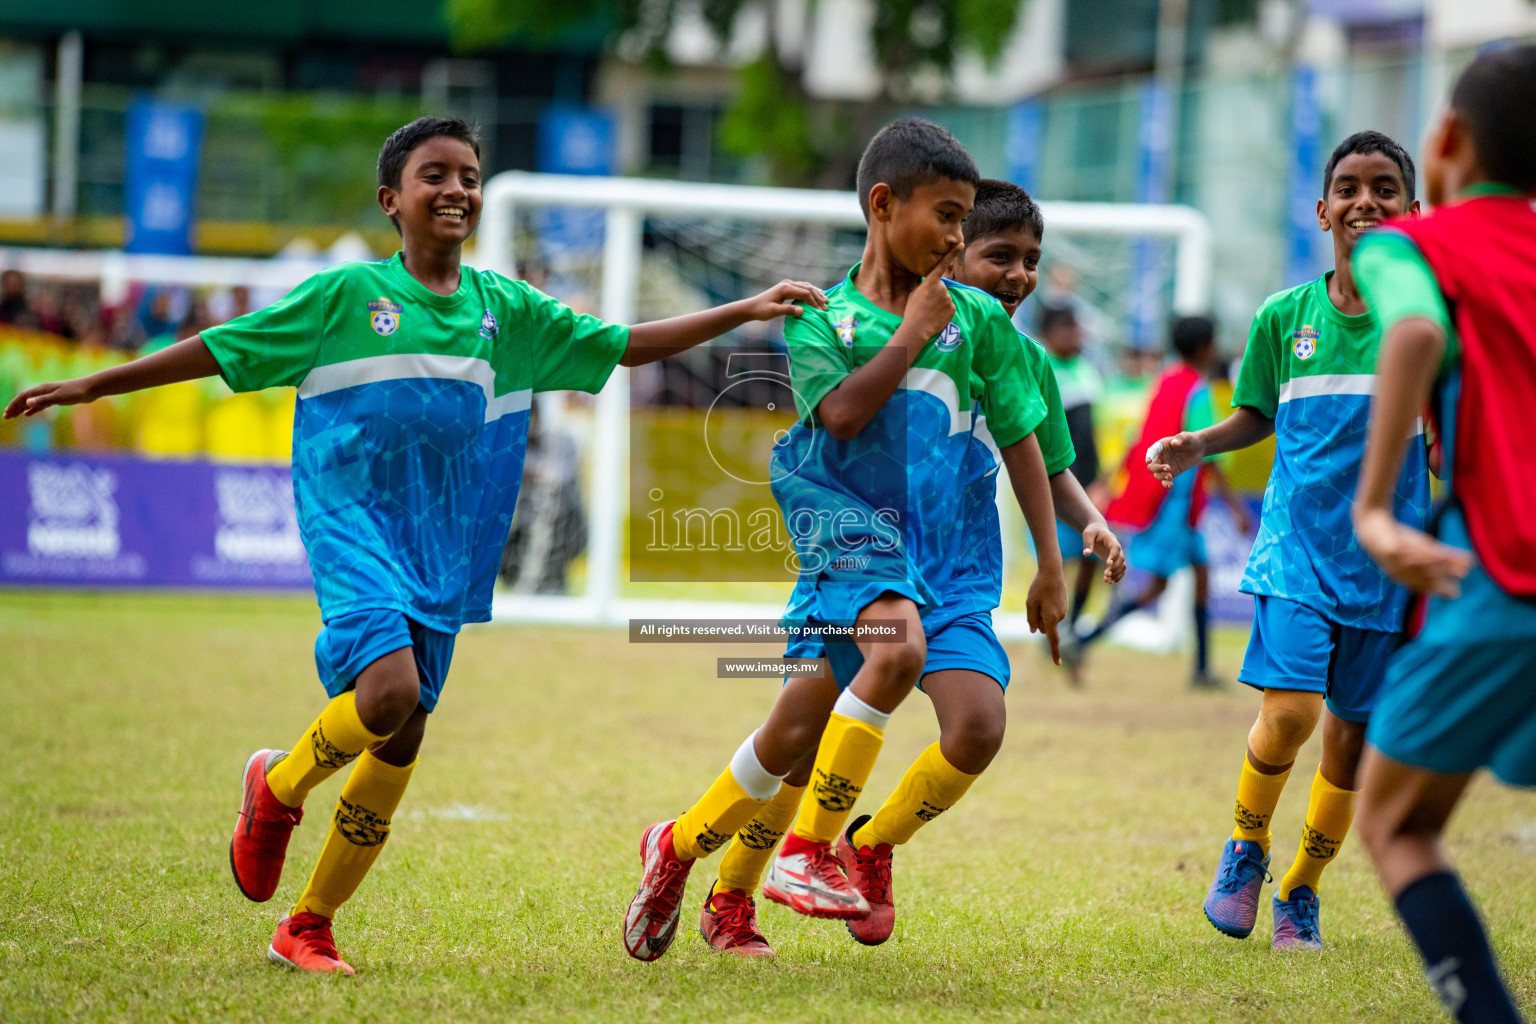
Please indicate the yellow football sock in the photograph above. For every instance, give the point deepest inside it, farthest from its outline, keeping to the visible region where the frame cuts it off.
(704, 827)
(930, 787)
(843, 762)
(1257, 795)
(1329, 814)
(358, 832)
(743, 864)
(335, 738)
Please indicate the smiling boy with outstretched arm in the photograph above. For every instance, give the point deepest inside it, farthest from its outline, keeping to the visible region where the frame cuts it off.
(415, 377)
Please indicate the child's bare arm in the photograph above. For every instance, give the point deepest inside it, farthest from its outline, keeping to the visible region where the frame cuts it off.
(1171, 456)
(1410, 357)
(1047, 601)
(185, 360)
(1077, 510)
(662, 338)
(848, 407)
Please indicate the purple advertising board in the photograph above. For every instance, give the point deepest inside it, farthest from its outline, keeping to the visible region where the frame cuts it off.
(96, 521)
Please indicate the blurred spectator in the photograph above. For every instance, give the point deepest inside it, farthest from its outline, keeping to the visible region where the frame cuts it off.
(14, 309)
(549, 526)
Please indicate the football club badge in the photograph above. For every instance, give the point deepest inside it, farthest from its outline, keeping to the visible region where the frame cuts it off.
(384, 316)
(949, 338)
(1304, 342)
(845, 330)
(488, 325)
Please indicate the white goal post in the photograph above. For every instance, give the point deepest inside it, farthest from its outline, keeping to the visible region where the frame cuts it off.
(626, 202)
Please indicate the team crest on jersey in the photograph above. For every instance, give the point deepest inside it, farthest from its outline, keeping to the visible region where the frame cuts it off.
(845, 330)
(488, 325)
(949, 338)
(1304, 342)
(384, 316)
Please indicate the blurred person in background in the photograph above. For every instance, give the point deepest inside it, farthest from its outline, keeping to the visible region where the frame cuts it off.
(14, 309)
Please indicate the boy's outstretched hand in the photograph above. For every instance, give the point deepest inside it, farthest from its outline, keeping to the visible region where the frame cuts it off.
(782, 299)
(1413, 558)
(1171, 456)
(1046, 606)
(1099, 540)
(35, 399)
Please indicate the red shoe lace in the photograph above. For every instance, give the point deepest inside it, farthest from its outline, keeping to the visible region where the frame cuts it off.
(736, 917)
(875, 872)
(668, 889)
(823, 863)
(316, 932)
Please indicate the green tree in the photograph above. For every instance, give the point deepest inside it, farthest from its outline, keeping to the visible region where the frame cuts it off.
(804, 141)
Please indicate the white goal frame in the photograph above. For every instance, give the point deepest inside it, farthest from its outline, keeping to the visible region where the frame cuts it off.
(626, 202)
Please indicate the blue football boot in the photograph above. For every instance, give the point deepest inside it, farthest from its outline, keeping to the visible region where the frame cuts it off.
(1296, 924)
(1232, 905)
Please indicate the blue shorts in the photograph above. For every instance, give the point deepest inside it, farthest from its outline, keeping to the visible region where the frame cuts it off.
(1168, 543)
(350, 643)
(966, 643)
(1293, 647)
(1462, 694)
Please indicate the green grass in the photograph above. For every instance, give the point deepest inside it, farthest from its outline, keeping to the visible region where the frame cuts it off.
(1066, 886)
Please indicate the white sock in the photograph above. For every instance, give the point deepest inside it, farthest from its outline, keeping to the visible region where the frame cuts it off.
(749, 773)
(850, 706)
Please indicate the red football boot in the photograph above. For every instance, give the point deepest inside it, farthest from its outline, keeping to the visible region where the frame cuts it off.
(869, 870)
(729, 924)
(650, 923)
(303, 942)
(260, 844)
(807, 879)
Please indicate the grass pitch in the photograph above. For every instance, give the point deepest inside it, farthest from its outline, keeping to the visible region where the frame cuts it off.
(1066, 886)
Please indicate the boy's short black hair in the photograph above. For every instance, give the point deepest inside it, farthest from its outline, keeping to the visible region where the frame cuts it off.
(1052, 317)
(909, 153)
(1001, 205)
(403, 141)
(1373, 142)
(1496, 97)
(1191, 334)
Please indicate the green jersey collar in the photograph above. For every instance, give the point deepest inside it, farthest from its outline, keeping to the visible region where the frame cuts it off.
(1331, 311)
(395, 268)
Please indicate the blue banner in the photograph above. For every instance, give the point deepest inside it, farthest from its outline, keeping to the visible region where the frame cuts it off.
(574, 140)
(1026, 138)
(1306, 257)
(164, 142)
(1154, 143)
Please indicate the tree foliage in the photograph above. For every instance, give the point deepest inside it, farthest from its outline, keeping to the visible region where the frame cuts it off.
(914, 43)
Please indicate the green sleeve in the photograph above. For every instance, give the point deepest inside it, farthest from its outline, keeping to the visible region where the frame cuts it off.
(276, 346)
(1397, 284)
(571, 351)
(818, 362)
(1258, 379)
(1010, 395)
(1054, 436)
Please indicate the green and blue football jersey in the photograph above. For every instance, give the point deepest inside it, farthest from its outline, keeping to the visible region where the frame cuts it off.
(885, 510)
(1312, 370)
(411, 423)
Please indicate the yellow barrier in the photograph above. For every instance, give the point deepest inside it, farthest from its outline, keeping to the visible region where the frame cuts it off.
(195, 419)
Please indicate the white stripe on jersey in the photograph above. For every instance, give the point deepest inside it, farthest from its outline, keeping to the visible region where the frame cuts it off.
(941, 386)
(1338, 384)
(413, 366)
(1328, 384)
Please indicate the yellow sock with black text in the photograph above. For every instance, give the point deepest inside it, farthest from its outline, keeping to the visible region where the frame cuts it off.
(330, 743)
(850, 745)
(928, 789)
(1257, 795)
(730, 802)
(1329, 814)
(358, 832)
(744, 863)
